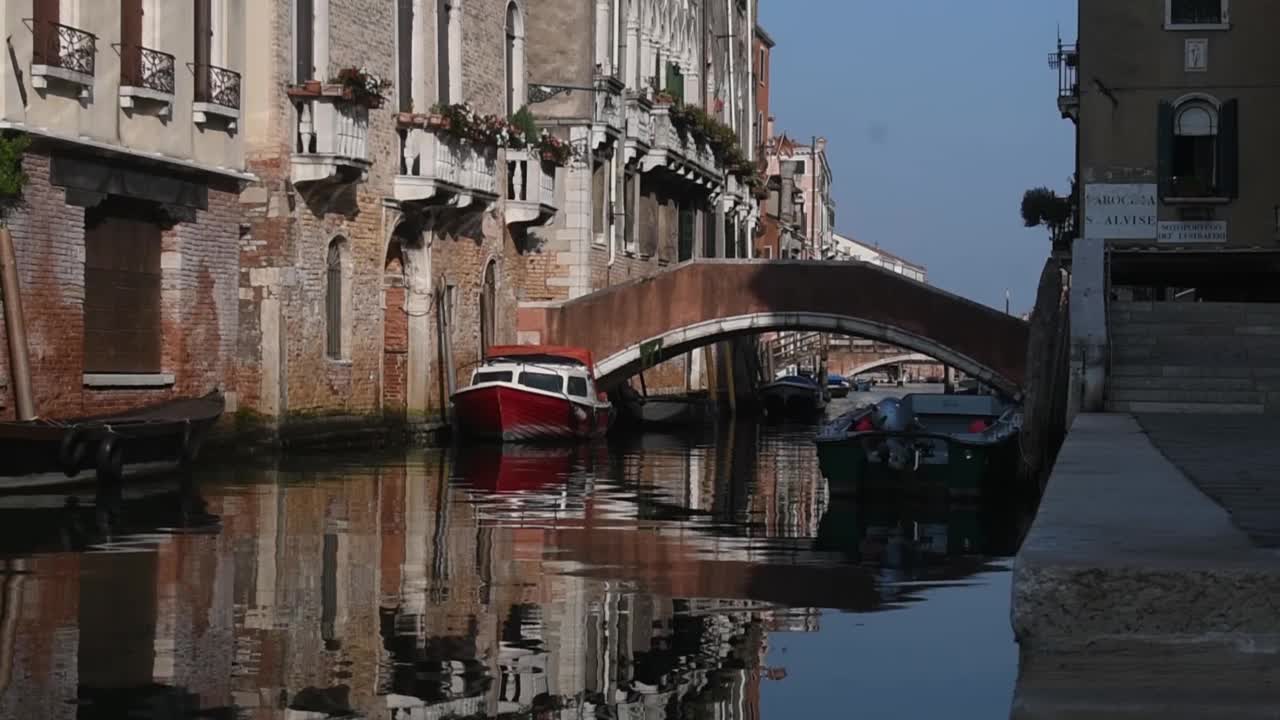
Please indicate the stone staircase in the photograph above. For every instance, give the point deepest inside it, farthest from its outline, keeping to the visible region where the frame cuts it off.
(1194, 358)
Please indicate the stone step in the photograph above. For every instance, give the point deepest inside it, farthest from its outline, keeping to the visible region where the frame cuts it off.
(1263, 332)
(1185, 396)
(1143, 381)
(1178, 370)
(1186, 408)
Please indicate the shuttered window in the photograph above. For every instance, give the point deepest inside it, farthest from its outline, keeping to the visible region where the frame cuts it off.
(686, 232)
(45, 31)
(304, 40)
(203, 46)
(444, 72)
(404, 33)
(1198, 149)
(121, 291)
(131, 43)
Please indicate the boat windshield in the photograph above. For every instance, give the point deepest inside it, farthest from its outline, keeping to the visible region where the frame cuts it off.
(492, 376)
(542, 381)
(578, 386)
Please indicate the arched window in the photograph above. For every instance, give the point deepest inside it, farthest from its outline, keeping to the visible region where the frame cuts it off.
(488, 307)
(515, 58)
(1198, 147)
(335, 295)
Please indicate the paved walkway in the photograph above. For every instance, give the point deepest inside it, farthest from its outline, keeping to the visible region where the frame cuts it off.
(1234, 460)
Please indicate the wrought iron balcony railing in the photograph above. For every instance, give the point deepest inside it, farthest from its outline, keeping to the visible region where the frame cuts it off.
(217, 86)
(65, 47)
(147, 68)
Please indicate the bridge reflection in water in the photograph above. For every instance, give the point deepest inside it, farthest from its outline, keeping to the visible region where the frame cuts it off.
(646, 581)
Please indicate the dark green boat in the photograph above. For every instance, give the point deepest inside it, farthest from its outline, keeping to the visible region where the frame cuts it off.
(929, 443)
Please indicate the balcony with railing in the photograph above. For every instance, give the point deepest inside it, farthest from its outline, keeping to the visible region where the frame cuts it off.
(217, 96)
(146, 78)
(1066, 60)
(684, 155)
(531, 189)
(331, 141)
(638, 133)
(63, 54)
(441, 170)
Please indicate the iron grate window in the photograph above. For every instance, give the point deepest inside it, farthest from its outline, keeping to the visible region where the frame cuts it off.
(1195, 12)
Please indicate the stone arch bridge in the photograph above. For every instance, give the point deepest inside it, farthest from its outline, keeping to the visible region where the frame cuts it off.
(637, 324)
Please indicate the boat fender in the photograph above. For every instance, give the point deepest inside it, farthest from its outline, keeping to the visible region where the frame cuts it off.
(110, 458)
(190, 444)
(71, 451)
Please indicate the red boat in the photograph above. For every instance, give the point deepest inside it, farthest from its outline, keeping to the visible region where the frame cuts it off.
(533, 392)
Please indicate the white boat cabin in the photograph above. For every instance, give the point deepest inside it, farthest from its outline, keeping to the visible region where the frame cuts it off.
(556, 376)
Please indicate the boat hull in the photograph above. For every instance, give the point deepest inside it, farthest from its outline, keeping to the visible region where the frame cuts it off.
(171, 431)
(786, 400)
(852, 467)
(503, 412)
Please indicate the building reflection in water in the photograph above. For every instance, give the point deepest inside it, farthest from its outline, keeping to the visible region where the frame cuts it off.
(638, 581)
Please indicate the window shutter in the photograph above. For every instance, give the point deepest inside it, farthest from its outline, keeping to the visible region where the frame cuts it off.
(1164, 146)
(131, 42)
(44, 18)
(1229, 149)
(404, 31)
(203, 47)
(304, 40)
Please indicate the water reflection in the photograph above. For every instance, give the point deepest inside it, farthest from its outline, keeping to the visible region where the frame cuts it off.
(642, 581)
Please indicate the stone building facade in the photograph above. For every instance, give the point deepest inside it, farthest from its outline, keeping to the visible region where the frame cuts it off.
(1173, 106)
(126, 230)
(637, 197)
(382, 254)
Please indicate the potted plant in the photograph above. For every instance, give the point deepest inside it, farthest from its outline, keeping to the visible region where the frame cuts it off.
(554, 150)
(362, 87)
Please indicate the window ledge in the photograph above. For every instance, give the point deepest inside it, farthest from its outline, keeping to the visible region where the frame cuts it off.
(42, 74)
(128, 380)
(1204, 26)
(1205, 200)
(340, 362)
(203, 113)
(131, 96)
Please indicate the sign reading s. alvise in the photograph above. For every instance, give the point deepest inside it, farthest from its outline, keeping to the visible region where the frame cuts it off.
(1122, 211)
(1210, 231)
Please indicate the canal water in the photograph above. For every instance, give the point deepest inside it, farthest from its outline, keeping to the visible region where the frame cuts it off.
(709, 575)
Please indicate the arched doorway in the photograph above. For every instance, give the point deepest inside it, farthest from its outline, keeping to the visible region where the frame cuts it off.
(488, 307)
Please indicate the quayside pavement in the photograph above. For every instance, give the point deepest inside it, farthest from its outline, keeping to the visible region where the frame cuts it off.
(1156, 548)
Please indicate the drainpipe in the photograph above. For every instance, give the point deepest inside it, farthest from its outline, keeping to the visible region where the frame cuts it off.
(728, 6)
(752, 88)
(612, 207)
(16, 329)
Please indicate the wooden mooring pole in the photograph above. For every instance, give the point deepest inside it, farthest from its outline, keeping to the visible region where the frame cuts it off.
(15, 329)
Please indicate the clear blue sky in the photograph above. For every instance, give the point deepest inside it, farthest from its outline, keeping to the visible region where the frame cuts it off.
(938, 115)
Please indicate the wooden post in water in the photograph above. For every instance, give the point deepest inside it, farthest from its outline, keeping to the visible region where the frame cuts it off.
(15, 329)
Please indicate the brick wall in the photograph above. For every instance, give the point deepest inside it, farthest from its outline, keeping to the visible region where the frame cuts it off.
(198, 306)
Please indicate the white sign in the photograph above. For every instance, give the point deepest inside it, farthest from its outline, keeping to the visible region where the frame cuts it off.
(1196, 55)
(1125, 211)
(1211, 231)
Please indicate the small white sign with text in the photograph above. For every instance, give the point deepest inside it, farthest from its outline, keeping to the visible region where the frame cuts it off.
(1206, 231)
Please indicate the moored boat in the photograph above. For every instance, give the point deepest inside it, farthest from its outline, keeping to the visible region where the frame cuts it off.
(952, 442)
(533, 393)
(837, 385)
(171, 431)
(793, 396)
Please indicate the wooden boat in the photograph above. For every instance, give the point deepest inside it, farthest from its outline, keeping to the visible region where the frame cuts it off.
(951, 442)
(667, 410)
(793, 396)
(173, 430)
(533, 393)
